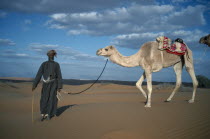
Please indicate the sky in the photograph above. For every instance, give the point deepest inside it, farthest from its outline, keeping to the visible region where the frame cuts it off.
(76, 29)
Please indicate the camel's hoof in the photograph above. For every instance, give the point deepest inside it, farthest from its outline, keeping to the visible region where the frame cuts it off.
(168, 100)
(147, 106)
(191, 101)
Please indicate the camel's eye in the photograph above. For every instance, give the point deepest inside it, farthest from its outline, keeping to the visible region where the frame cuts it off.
(106, 49)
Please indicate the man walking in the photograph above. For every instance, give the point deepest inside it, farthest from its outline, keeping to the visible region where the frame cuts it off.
(52, 82)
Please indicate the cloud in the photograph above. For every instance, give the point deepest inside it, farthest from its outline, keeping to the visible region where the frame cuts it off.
(190, 16)
(70, 6)
(11, 54)
(103, 18)
(8, 51)
(18, 56)
(135, 40)
(132, 19)
(204, 2)
(3, 14)
(181, 1)
(6, 42)
(27, 22)
(63, 51)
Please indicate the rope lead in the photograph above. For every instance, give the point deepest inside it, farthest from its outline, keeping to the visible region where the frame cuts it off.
(92, 83)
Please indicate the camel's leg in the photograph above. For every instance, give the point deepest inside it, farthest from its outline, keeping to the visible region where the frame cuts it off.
(139, 85)
(149, 87)
(190, 70)
(178, 70)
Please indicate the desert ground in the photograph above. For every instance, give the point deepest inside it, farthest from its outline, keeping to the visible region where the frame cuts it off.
(106, 111)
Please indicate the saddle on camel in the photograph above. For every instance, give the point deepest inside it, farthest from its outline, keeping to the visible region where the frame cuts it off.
(177, 48)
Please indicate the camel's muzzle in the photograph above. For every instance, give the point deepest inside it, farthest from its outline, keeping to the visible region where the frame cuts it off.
(201, 40)
(98, 52)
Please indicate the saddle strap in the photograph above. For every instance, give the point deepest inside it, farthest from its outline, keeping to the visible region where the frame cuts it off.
(161, 52)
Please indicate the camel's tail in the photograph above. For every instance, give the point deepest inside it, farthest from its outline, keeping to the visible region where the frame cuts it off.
(188, 58)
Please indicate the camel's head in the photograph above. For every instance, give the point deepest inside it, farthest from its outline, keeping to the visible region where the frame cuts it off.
(107, 51)
(205, 40)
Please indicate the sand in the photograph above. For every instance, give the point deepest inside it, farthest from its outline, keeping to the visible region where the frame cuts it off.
(106, 111)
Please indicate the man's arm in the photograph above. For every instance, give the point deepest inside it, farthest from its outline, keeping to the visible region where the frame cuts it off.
(38, 77)
(59, 78)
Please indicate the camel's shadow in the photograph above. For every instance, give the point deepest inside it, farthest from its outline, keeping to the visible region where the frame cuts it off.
(62, 109)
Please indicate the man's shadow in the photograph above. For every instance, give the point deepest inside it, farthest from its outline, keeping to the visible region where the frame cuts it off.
(64, 108)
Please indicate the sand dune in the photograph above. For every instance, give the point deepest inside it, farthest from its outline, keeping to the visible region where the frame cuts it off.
(17, 78)
(107, 111)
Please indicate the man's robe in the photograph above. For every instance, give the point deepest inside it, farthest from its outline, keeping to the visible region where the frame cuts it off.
(49, 70)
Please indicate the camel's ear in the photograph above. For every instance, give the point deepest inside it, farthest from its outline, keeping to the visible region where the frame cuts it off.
(111, 47)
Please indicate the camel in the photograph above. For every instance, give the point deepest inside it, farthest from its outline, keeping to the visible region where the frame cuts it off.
(205, 40)
(150, 59)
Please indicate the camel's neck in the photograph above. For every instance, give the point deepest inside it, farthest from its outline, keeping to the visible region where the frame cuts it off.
(125, 61)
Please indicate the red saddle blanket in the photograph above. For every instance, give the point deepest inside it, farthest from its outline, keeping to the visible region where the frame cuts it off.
(164, 43)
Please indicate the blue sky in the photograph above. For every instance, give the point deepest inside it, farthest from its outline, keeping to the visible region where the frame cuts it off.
(77, 28)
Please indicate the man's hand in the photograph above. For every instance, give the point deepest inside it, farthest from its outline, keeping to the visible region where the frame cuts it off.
(33, 88)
